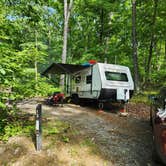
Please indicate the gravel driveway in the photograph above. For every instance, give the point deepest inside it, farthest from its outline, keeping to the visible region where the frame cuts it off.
(124, 141)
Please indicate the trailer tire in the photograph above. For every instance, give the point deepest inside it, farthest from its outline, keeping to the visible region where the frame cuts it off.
(75, 99)
(101, 105)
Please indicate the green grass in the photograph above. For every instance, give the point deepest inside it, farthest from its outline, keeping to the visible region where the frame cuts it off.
(87, 142)
(57, 129)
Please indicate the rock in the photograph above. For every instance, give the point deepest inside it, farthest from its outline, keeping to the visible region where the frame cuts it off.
(49, 153)
(123, 114)
(17, 150)
(2, 150)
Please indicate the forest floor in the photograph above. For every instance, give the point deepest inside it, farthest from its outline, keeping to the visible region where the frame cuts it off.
(83, 136)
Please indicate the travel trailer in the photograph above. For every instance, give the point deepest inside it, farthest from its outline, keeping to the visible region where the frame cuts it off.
(99, 82)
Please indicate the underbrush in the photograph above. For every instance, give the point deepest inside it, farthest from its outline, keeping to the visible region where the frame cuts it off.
(143, 97)
(13, 124)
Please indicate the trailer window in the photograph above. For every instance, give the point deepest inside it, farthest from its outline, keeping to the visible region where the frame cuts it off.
(114, 76)
(78, 79)
(89, 79)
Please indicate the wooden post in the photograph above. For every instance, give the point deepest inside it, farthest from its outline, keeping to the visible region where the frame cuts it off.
(39, 127)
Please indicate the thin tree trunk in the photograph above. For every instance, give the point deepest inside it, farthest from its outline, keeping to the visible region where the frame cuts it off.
(102, 26)
(134, 46)
(49, 50)
(165, 49)
(35, 63)
(86, 36)
(49, 38)
(49, 46)
(152, 40)
(64, 51)
(158, 51)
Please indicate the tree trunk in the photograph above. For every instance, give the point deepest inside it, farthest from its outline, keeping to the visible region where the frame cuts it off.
(165, 49)
(49, 46)
(152, 40)
(67, 11)
(102, 26)
(35, 63)
(134, 46)
(64, 51)
(157, 64)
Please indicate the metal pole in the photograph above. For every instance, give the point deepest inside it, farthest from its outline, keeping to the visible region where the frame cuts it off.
(39, 127)
(125, 100)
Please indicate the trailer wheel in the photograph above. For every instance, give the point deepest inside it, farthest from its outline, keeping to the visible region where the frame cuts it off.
(101, 105)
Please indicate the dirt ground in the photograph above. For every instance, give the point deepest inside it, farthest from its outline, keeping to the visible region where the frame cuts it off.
(108, 138)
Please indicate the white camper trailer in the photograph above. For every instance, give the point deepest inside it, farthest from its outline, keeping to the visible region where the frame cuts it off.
(101, 82)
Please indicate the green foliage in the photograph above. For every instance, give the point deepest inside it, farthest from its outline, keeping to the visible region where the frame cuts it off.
(143, 97)
(87, 142)
(61, 131)
(3, 120)
(11, 124)
(65, 139)
(44, 88)
(32, 32)
(53, 131)
(2, 106)
(11, 130)
(55, 127)
(16, 129)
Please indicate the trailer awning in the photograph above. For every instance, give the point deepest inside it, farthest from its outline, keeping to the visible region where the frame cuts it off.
(60, 68)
